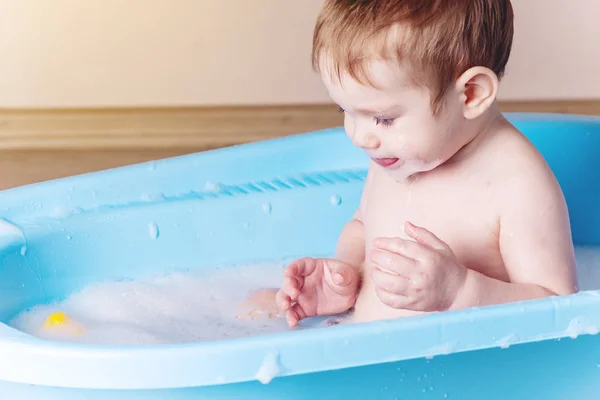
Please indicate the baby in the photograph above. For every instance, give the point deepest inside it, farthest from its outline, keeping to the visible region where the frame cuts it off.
(459, 209)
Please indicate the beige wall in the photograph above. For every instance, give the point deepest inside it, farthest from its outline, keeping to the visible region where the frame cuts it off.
(57, 53)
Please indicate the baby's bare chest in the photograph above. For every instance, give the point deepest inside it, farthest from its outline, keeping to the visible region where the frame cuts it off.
(461, 213)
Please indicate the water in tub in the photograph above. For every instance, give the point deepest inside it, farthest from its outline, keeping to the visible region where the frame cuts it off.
(185, 306)
(178, 307)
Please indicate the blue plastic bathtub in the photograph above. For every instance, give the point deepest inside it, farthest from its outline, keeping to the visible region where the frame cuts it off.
(95, 227)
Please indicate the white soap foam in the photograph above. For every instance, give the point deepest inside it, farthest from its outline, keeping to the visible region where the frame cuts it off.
(179, 307)
(507, 341)
(581, 326)
(190, 306)
(269, 369)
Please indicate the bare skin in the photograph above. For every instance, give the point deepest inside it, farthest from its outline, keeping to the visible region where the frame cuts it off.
(458, 210)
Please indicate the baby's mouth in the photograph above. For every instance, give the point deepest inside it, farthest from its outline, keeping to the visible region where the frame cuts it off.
(386, 162)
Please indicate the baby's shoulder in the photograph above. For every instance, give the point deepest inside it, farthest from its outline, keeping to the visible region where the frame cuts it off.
(520, 170)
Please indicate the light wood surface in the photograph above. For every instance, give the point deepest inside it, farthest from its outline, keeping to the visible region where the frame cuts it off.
(158, 128)
(19, 167)
(38, 145)
(193, 127)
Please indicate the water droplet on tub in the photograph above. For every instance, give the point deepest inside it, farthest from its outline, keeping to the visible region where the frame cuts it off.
(152, 166)
(23, 250)
(60, 212)
(213, 187)
(69, 237)
(335, 200)
(153, 230)
(246, 225)
(152, 198)
(267, 208)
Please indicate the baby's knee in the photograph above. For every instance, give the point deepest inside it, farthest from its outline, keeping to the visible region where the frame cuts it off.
(260, 304)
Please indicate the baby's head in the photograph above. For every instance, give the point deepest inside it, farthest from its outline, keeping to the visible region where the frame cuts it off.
(416, 79)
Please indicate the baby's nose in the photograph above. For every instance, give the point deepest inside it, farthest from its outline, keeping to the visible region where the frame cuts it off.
(366, 140)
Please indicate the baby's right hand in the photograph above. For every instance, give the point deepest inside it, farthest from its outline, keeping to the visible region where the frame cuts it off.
(314, 287)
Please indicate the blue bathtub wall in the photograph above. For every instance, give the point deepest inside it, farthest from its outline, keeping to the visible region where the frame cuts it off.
(268, 201)
(222, 208)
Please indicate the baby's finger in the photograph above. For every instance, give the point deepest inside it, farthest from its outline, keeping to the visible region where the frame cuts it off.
(295, 315)
(425, 237)
(290, 287)
(391, 283)
(283, 301)
(291, 270)
(393, 300)
(301, 267)
(338, 275)
(406, 248)
(395, 263)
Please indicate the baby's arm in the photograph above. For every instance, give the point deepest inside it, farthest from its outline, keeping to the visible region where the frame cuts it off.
(351, 244)
(535, 242)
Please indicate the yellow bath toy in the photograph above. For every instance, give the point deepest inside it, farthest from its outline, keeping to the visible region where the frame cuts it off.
(61, 319)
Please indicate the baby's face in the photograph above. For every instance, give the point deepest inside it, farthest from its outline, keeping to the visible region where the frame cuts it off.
(394, 122)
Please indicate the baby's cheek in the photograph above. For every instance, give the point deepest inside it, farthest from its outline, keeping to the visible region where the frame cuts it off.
(349, 126)
(403, 146)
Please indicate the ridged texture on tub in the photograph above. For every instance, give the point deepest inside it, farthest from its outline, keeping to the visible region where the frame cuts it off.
(218, 190)
(256, 187)
(278, 184)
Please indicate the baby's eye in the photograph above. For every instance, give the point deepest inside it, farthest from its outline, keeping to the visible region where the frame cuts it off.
(340, 109)
(384, 121)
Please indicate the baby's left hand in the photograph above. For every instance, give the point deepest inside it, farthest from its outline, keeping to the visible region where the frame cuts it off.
(420, 276)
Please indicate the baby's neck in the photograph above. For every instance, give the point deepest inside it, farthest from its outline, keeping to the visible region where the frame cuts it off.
(480, 129)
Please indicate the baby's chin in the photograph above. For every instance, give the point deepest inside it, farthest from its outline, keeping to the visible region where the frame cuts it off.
(412, 168)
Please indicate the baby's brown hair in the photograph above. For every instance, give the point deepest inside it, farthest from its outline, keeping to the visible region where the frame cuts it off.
(437, 39)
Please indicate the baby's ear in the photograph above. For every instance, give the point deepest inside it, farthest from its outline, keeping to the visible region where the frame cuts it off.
(477, 88)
